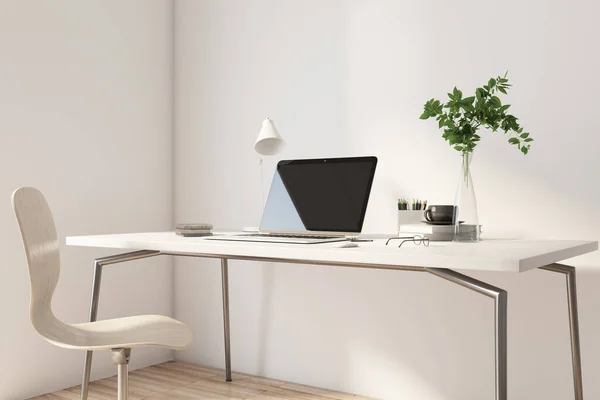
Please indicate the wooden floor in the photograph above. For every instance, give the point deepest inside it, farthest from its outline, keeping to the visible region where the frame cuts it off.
(182, 381)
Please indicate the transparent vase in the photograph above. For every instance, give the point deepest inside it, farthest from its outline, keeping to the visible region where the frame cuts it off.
(466, 219)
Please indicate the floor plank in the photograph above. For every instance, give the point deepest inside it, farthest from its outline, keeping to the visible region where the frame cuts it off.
(184, 381)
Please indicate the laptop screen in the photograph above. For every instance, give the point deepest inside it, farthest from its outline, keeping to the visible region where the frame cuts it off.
(321, 195)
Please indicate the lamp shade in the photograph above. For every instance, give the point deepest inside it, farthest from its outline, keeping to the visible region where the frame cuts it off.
(269, 141)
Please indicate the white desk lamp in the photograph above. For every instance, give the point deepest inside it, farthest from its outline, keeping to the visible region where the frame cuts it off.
(269, 142)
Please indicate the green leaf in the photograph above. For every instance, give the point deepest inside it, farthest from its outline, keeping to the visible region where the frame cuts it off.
(528, 140)
(479, 93)
(491, 83)
(513, 140)
(504, 108)
(457, 94)
(425, 115)
(459, 148)
(525, 135)
(467, 105)
(495, 101)
(468, 100)
(525, 150)
(501, 89)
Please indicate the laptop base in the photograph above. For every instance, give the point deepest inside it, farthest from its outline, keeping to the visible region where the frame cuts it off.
(275, 238)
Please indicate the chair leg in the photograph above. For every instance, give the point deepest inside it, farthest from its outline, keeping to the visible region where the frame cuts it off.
(121, 359)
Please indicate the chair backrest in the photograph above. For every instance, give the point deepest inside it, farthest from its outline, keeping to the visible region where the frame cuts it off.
(42, 252)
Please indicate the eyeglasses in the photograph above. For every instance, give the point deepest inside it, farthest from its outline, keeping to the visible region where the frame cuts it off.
(417, 240)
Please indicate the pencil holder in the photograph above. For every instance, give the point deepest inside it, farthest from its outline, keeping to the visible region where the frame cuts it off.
(409, 217)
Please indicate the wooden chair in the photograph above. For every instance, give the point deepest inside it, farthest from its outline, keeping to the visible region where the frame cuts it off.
(118, 335)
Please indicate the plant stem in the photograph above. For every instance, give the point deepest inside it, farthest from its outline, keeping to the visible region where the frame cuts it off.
(465, 165)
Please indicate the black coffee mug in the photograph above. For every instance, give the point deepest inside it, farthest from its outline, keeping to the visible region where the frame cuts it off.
(441, 214)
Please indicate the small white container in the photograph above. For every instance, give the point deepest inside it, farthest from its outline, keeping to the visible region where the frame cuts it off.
(409, 217)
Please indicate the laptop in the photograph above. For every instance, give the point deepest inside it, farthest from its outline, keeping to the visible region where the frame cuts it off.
(314, 201)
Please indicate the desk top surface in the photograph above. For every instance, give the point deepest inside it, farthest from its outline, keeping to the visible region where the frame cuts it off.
(487, 255)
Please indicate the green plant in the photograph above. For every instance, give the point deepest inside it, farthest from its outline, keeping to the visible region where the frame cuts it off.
(462, 117)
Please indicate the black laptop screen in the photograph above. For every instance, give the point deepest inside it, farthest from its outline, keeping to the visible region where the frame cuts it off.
(326, 195)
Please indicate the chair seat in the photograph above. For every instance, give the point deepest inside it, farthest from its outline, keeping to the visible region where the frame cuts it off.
(136, 331)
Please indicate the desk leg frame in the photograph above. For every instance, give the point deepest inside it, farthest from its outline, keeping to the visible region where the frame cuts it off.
(500, 321)
(570, 274)
(499, 296)
(97, 280)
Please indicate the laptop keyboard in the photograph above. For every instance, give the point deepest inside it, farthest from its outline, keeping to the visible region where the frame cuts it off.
(277, 235)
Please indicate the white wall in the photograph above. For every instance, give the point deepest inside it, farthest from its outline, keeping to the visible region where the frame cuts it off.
(350, 77)
(85, 115)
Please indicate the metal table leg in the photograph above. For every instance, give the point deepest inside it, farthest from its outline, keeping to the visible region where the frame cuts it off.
(500, 329)
(569, 272)
(87, 365)
(225, 282)
(98, 264)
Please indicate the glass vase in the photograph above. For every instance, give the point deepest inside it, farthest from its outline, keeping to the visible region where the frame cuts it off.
(466, 219)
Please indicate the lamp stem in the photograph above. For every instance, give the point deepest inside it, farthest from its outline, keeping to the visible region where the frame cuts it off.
(262, 186)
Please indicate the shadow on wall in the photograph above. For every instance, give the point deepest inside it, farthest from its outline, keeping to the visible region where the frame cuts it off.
(410, 337)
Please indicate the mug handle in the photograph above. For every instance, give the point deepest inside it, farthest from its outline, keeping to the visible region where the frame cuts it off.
(427, 215)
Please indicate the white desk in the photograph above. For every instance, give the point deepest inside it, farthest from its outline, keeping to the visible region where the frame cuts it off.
(439, 259)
